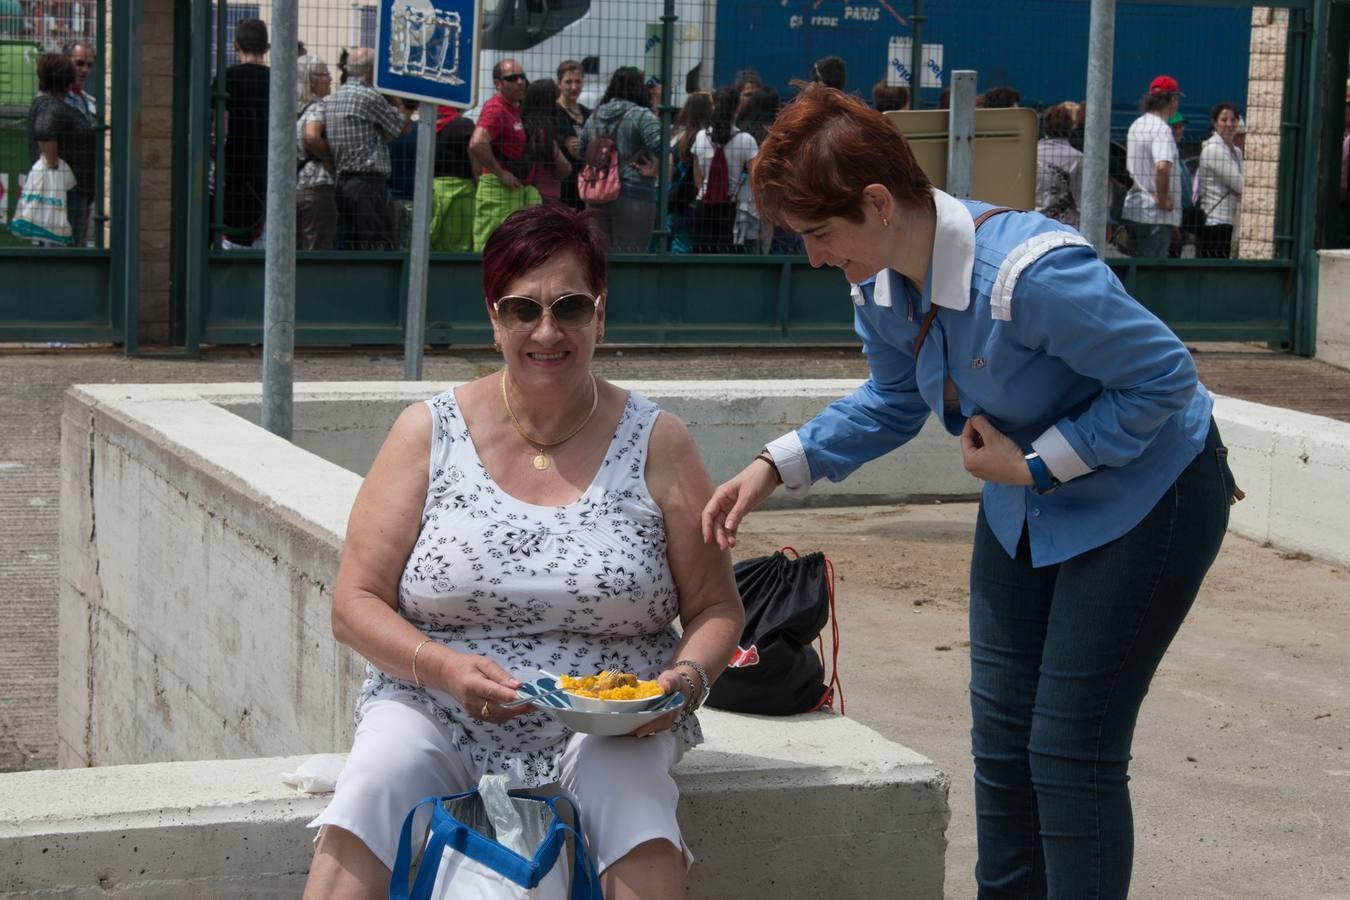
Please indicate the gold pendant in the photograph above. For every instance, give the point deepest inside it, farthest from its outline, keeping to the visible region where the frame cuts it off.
(541, 461)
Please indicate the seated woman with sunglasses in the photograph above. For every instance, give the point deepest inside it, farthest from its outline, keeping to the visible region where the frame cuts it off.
(536, 518)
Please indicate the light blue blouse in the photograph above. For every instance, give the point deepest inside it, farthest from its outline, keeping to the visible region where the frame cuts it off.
(1037, 334)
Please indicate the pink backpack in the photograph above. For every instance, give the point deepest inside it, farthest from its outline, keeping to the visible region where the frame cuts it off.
(598, 181)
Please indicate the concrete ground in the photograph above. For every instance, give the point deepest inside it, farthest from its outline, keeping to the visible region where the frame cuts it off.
(1242, 775)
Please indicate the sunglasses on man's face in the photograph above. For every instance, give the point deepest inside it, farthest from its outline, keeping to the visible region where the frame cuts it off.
(568, 311)
(519, 76)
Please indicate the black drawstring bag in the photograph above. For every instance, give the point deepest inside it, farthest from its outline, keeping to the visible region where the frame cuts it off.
(775, 671)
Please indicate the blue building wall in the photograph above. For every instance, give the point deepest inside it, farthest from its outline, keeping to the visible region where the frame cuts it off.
(1037, 46)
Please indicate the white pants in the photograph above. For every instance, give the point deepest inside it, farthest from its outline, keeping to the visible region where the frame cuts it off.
(621, 785)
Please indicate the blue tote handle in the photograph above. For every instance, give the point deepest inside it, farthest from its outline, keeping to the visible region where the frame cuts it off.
(398, 879)
(585, 879)
(446, 830)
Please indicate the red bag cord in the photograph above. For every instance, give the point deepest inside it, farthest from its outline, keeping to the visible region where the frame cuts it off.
(834, 686)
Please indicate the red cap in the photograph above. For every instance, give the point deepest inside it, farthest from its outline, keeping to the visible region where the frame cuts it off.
(1165, 84)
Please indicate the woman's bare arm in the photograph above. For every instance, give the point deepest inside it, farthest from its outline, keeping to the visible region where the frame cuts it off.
(710, 606)
(381, 531)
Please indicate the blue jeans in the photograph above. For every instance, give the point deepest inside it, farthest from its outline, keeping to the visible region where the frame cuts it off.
(1061, 658)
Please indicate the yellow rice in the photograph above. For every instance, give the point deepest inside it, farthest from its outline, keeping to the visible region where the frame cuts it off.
(585, 687)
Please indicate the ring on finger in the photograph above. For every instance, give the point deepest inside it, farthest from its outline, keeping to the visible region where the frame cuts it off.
(485, 711)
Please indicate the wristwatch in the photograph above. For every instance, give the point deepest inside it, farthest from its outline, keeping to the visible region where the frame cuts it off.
(1043, 481)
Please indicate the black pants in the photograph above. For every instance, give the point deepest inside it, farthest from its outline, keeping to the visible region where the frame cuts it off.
(713, 227)
(364, 220)
(1215, 242)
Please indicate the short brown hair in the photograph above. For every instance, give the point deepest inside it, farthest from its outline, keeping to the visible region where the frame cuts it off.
(55, 73)
(824, 148)
(569, 65)
(1059, 119)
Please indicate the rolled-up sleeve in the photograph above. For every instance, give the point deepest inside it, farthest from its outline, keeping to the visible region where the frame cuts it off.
(1071, 306)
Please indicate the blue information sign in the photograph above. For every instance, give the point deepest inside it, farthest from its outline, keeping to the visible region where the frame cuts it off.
(428, 50)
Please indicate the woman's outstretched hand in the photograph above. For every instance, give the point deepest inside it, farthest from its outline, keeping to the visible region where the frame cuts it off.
(990, 455)
(734, 500)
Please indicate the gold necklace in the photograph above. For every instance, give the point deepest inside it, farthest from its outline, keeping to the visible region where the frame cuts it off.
(542, 460)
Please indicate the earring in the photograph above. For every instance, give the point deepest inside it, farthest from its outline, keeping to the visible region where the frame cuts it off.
(496, 345)
(885, 222)
(600, 335)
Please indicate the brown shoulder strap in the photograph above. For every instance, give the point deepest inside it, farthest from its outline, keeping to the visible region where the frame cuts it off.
(928, 317)
(990, 213)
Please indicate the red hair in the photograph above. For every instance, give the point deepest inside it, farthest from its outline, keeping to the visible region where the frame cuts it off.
(531, 236)
(824, 148)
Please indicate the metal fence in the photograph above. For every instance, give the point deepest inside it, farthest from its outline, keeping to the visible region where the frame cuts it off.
(735, 61)
(593, 69)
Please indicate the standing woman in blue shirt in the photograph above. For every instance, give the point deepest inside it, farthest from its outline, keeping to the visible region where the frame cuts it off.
(1106, 486)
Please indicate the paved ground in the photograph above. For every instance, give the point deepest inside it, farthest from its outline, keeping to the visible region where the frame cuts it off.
(1242, 772)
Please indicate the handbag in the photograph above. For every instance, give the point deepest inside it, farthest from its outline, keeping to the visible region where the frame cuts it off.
(775, 670)
(41, 213)
(488, 844)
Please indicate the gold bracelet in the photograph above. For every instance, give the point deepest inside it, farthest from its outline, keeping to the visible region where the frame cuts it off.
(417, 650)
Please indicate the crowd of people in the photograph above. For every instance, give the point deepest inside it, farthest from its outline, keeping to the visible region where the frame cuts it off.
(1162, 202)
(534, 142)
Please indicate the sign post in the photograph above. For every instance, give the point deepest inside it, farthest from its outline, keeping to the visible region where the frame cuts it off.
(425, 50)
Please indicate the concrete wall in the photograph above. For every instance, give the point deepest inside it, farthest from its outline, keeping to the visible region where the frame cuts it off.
(1295, 468)
(813, 806)
(198, 551)
(195, 546)
(1333, 307)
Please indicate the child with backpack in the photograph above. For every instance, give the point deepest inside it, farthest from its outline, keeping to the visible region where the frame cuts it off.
(722, 154)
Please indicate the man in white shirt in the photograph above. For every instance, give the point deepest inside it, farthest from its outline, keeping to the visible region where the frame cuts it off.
(1153, 205)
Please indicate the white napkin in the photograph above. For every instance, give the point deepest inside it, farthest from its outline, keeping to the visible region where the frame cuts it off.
(318, 774)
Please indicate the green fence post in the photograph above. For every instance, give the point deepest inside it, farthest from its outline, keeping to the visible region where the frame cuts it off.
(218, 97)
(128, 25)
(663, 235)
(99, 87)
(193, 195)
(1305, 223)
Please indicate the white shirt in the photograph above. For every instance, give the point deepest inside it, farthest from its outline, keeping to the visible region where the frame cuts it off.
(1150, 142)
(738, 151)
(1220, 181)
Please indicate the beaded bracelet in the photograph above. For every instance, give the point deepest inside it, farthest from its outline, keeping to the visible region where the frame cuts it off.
(688, 686)
(702, 673)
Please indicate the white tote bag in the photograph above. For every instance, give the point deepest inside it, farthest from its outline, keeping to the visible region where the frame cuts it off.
(41, 212)
(491, 845)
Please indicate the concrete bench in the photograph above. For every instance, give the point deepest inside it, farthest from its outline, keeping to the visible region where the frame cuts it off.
(815, 806)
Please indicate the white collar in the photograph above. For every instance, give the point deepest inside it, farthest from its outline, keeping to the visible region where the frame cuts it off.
(952, 263)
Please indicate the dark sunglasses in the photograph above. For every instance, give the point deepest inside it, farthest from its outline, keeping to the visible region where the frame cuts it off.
(524, 313)
(83, 65)
(519, 76)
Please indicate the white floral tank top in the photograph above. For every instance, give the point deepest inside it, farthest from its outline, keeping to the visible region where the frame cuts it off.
(570, 589)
